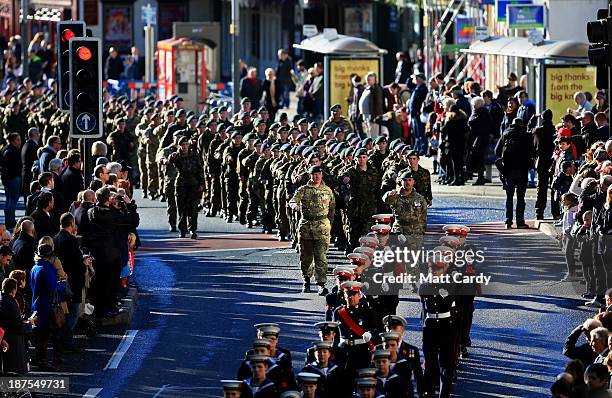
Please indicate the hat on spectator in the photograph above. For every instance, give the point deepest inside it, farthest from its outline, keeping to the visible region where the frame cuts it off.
(335, 107)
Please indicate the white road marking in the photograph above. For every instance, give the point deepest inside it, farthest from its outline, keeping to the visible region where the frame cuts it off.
(122, 348)
(92, 393)
(166, 313)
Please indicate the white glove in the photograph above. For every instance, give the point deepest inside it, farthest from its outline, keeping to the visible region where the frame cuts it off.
(367, 336)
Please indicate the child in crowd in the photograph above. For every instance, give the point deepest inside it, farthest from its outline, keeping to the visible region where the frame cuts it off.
(583, 238)
(570, 207)
(563, 181)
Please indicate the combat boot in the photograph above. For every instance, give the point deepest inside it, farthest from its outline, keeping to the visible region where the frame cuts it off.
(243, 220)
(162, 198)
(306, 287)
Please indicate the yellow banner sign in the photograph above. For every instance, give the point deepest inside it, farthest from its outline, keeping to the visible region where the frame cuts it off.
(340, 71)
(562, 82)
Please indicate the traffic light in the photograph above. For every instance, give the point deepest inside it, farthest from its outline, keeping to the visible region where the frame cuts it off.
(66, 30)
(600, 52)
(85, 60)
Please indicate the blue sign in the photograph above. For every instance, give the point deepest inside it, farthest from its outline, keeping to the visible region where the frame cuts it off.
(502, 4)
(526, 17)
(86, 122)
(487, 2)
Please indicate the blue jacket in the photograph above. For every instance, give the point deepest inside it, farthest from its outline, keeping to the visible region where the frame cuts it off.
(416, 99)
(43, 280)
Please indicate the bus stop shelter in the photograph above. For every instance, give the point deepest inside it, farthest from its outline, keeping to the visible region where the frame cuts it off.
(342, 56)
(555, 69)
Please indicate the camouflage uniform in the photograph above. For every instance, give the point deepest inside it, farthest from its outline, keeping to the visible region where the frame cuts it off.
(362, 205)
(169, 172)
(422, 183)
(342, 123)
(231, 178)
(190, 177)
(136, 156)
(213, 166)
(317, 206)
(254, 187)
(410, 212)
(243, 173)
(142, 154)
(151, 143)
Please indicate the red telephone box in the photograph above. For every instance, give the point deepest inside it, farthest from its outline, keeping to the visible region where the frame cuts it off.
(182, 70)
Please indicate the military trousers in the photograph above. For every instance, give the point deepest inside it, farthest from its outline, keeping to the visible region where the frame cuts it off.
(215, 193)
(255, 203)
(314, 243)
(357, 227)
(187, 199)
(144, 178)
(153, 178)
(232, 194)
(244, 198)
(169, 191)
(281, 215)
(438, 349)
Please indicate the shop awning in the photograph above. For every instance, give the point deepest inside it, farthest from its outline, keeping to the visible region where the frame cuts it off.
(520, 47)
(333, 43)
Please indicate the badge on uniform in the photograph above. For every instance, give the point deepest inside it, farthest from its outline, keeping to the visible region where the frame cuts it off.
(443, 292)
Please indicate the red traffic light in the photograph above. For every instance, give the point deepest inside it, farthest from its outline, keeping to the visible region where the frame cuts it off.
(67, 34)
(84, 53)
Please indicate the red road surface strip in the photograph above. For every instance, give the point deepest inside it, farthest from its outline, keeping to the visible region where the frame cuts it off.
(231, 241)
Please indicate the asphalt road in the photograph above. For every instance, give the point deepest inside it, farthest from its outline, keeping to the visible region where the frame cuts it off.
(199, 301)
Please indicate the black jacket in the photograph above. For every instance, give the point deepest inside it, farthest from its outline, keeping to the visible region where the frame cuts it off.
(14, 360)
(104, 224)
(44, 223)
(267, 96)
(251, 89)
(454, 131)
(24, 248)
(481, 126)
(583, 352)
(11, 162)
(28, 157)
(73, 184)
(544, 145)
(113, 68)
(70, 254)
(515, 147)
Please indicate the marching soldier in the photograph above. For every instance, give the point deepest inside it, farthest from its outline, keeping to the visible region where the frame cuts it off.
(243, 172)
(230, 174)
(204, 141)
(335, 298)
(213, 166)
(332, 380)
(169, 172)
(422, 177)
(364, 183)
(328, 331)
(438, 299)
(316, 204)
(366, 387)
(231, 388)
(280, 356)
(258, 385)
(139, 133)
(357, 324)
(410, 212)
(188, 186)
(388, 382)
(336, 120)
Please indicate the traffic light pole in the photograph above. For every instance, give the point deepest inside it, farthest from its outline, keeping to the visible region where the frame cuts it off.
(235, 32)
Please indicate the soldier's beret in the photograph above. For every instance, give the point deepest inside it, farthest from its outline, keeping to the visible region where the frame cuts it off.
(456, 229)
(190, 118)
(323, 345)
(265, 145)
(399, 148)
(258, 121)
(178, 99)
(329, 143)
(366, 372)
(275, 126)
(315, 169)
(214, 109)
(262, 109)
(275, 147)
(381, 354)
(283, 129)
(147, 110)
(350, 136)
(249, 136)
(380, 139)
(172, 98)
(22, 96)
(450, 241)
(231, 385)
(365, 142)
(38, 85)
(210, 121)
(125, 102)
(406, 174)
(328, 130)
(261, 343)
(257, 142)
(393, 143)
(200, 123)
(306, 151)
(335, 107)
(394, 320)
(366, 382)
(313, 125)
(158, 103)
(338, 130)
(293, 394)
(236, 133)
(300, 149)
(282, 116)
(181, 112)
(245, 99)
(120, 119)
(286, 147)
(313, 155)
(347, 152)
(389, 336)
(300, 136)
(303, 120)
(295, 118)
(412, 152)
(223, 109)
(183, 140)
(318, 142)
(354, 141)
(243, 115)
(360, 152)
(253, 113)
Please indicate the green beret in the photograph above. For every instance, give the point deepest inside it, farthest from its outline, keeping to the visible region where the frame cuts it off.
(360, 152)
(406, 174)
(335, 107)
